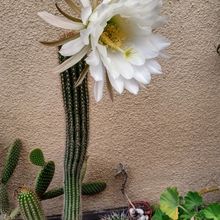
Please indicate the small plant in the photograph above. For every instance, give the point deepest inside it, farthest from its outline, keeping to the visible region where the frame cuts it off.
(139, 210)
(116, 216)
(46, 173)
(188, 207)
(29, 204)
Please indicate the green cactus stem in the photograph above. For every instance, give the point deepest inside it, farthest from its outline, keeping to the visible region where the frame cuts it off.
(44, 178)
(76, 104)
(11, 161)
(29, 205)
(4, 202)
(37, 157)
(53, 193)
(88, 189)
(93, 188)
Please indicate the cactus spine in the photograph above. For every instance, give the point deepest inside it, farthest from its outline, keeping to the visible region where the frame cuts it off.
(76, 104)
(29, 205)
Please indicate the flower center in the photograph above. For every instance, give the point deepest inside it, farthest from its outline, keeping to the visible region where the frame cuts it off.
(113, 35)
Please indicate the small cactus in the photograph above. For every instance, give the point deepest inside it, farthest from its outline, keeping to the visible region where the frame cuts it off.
(11, 161)
(44, 178)
(37, 157)
(29, 205)
(115, 216)
(93, 188)
(4, 202)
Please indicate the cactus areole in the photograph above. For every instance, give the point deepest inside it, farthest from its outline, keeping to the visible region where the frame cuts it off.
(76, 104)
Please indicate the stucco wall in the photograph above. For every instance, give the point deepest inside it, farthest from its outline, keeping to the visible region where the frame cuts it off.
(167, 135)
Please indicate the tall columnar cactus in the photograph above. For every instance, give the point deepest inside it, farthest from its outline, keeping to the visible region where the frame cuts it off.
(76, 103)
(29, 205)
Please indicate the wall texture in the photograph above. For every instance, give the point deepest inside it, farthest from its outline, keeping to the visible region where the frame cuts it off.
(168, 135)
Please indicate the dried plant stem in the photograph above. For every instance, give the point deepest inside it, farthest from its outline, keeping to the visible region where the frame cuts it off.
(94, 3)
(14, 214)
(209, 190)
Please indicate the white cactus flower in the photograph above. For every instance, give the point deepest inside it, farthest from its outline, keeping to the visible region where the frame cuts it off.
(117, 38)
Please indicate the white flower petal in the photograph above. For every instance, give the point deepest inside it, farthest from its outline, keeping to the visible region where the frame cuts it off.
(60, 21)
(85, 3)
(146, 47)
(121, 66)
(142, 74)
(86, 10)
(85, 13)
(98, 90)
(71, 61)
(97, 72)
(117, 84)
(93, 58)
(159, 42)
(132, 86)
(153, 66)
(136, 58)
(72, 47)
(84, 35)
(107, 62)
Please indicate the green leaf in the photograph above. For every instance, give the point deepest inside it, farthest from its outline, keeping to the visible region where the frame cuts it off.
(159, 215)
(192, 200)
(169, 203)
(37, 157)
(187, 215)
(212, 211)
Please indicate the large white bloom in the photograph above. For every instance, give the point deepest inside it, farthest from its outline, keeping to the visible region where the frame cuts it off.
(117, 37)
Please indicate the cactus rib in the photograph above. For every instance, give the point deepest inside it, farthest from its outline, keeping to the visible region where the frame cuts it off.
(11, 161)
(29, 205)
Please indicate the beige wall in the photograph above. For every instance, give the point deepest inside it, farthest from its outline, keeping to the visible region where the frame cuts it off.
(167, 135)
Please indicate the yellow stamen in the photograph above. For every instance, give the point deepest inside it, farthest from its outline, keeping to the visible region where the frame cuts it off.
(113, 37)
(129, 52)
(107, 41)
